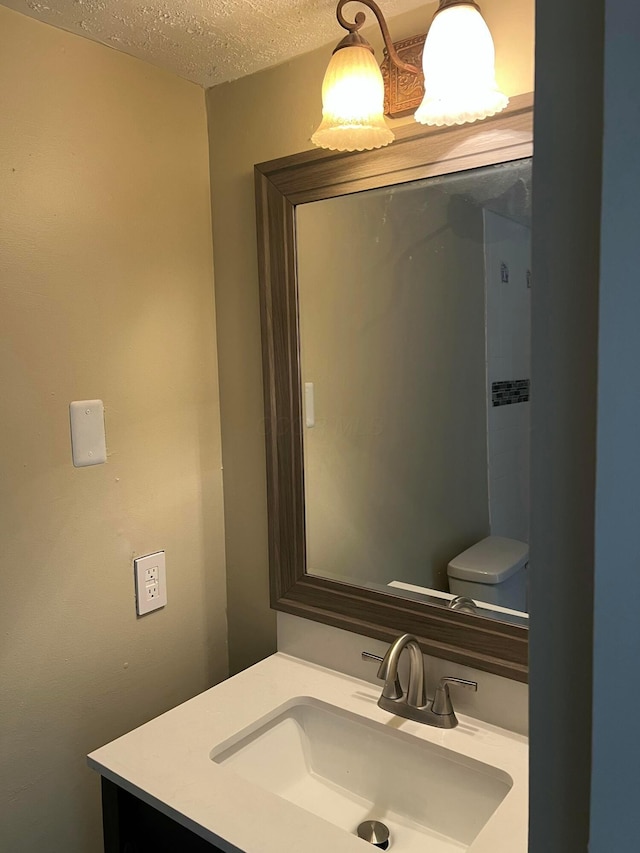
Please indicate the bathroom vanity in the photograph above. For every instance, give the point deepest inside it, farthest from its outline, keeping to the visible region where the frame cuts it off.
(290, 756)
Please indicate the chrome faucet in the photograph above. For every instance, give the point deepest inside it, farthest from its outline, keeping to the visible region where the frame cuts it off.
(413, 703)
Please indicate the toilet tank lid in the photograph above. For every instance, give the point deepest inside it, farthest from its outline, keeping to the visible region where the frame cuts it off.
(492, 560)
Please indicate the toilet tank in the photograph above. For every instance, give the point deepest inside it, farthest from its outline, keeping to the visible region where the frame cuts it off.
(492, 570)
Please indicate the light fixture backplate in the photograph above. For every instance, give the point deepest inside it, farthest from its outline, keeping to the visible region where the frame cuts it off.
(403, 92)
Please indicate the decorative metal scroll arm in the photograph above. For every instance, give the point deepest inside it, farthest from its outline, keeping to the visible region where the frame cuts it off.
(359, 21)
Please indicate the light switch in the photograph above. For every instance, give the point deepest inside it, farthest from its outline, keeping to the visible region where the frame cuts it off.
(88, 443)
(309, 405)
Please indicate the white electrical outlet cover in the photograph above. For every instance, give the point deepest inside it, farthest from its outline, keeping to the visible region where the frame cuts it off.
(88, 442)
(151, 582)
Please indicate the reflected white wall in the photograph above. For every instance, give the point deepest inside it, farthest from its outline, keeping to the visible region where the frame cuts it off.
(507, 265)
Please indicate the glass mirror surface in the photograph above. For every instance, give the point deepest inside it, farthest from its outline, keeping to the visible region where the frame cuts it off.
(414, 317)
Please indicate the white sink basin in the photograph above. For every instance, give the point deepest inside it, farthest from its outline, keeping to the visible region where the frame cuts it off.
(346, 769)
(298, 775)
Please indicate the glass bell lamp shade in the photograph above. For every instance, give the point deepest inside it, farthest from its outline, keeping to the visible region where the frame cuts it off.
(459, 69)
(352, 103)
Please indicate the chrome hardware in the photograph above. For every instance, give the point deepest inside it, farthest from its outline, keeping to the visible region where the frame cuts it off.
(441, 705)
(394, 691)
(463, 604)
(415, 696)
(375, 833)
(413, 704)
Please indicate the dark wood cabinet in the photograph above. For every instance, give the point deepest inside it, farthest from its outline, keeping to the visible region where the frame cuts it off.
(131, 826)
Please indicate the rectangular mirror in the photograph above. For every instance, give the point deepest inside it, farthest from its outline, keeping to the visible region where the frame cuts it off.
(414, 321)
(394, 294)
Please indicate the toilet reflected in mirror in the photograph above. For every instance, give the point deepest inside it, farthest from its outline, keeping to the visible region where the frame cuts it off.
(493, 571)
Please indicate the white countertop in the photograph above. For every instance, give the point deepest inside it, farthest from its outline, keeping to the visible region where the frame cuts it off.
(167, 764)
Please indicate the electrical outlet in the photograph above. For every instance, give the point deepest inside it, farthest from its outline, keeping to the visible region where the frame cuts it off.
(151, 574)
(151, 582)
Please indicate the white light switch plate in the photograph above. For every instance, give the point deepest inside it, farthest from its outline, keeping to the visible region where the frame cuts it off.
(151, 582)
(309, 405)
(88, 442)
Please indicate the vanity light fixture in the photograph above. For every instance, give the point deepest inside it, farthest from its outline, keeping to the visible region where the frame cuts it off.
(458, 62)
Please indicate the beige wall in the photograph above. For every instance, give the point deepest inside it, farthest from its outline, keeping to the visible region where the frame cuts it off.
(257, 118)
(105, 291)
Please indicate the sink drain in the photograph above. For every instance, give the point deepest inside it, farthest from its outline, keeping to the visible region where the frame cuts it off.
(375, 833)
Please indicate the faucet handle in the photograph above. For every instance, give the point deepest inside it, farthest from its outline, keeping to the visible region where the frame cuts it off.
(442, 700)
(390, 691)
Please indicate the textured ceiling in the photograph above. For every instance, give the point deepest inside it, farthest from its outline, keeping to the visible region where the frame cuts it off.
(206, 41)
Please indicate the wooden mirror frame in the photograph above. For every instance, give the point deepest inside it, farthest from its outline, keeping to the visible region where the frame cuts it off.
(417, 153)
